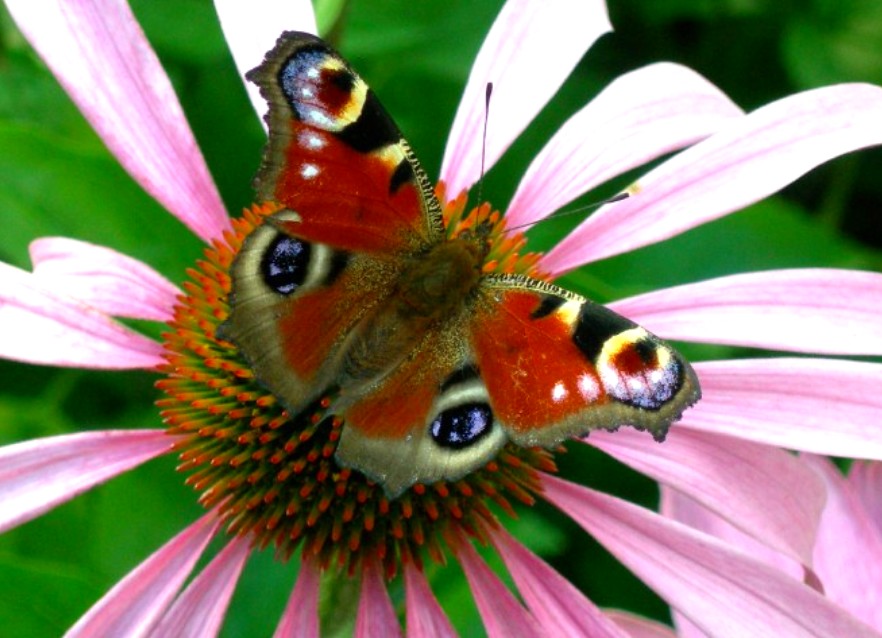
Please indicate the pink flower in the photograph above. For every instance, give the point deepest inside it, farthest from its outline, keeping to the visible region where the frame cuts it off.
(723, 454)
(847, 556)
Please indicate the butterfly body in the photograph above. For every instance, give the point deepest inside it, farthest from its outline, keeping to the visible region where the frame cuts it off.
(355, 288)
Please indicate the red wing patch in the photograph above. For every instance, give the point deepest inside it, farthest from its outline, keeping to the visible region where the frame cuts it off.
(336, 158)
(310, 326)
(534, 373)
(557, 365)
(343, 196)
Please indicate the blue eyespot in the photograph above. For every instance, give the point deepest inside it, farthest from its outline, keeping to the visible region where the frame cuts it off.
(461, 426)
(285, 263)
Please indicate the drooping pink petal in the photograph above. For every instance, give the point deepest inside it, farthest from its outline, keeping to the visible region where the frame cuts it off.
(376, 616)
(819, 310)
(530, 50)
(502, 614)
(37, 475)
(706, 580)
(199, 611)
(39, 326)
(814, 405)
(685, 628)
(762, 490)
(866, 480)
(848, 554)
(677, 506)
(301, 619)
(425, 618)
(252, 28)
(136, 603)
(746, 161)
(558, 607)
(100, 56)
(640, 116)
(638, 627)
(103, 278)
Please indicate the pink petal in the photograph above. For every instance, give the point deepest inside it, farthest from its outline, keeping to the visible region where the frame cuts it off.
(679, 507)
(746, 161)
(866, 480)
(376, 616)
(639, 117)
(806, 310)
(136, 603)
(530, 50)
(815, 405)
(723, 591)
(108, 281)
(100, 56)
(762, 490)
(199, 611)
(848, 555)
(300, 619)
(425, 618)
(39, 326)
(639, 627)
(558, 607)
(37, 475)
(503, 615)
(252, 28)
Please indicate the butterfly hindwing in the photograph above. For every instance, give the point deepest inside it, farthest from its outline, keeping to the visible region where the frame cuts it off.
(427, 421)
(294, 304)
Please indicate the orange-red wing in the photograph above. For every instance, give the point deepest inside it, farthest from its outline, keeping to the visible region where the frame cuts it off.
(557, 365)
(426, 421)
(336, 157)
(293, 305)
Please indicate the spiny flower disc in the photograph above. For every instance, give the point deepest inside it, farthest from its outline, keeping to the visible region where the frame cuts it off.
(273, 475)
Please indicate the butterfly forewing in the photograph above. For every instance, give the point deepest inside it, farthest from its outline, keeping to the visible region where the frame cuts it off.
(558, 365)
(336, 157)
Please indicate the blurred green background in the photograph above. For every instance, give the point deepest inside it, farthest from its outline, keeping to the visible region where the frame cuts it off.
(56, 178)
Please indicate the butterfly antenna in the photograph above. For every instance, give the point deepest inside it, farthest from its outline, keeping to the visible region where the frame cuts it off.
(565, 213)
(488, 93)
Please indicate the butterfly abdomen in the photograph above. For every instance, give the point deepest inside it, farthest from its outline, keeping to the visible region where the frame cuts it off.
(431, 290)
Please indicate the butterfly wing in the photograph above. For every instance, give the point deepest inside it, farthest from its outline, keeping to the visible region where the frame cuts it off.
(558, 365)
(294, 304)
(314, 303)
(427, 421)
(336, 157)
(526, 362)
(355, 205)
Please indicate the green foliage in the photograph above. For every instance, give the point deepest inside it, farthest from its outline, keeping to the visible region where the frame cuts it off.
(56, 178)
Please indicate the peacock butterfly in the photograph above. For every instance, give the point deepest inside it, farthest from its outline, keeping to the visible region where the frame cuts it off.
(354, 290)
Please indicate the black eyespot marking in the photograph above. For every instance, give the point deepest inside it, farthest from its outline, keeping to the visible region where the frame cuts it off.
(339, 261)
(462, 426)
(402, 175)
(285, 263)
(549, 304)
(372, 130)
(595, 326)
(343, 80)
(466, 373)
(647, 351)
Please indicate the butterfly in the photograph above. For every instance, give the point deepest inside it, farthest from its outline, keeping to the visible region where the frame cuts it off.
(354, 291)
